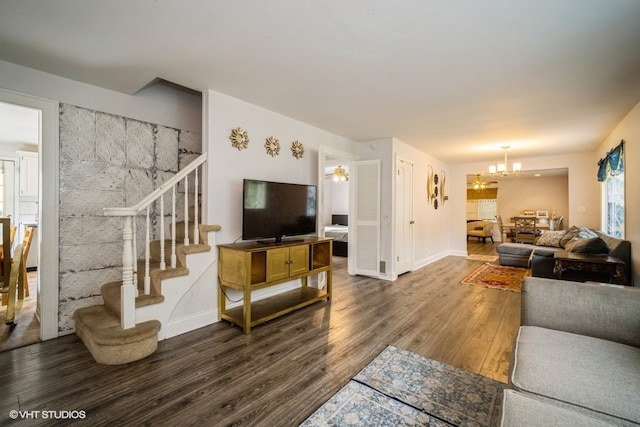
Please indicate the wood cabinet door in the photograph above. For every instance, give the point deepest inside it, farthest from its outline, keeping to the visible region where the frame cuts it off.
(299, 258)
(277, 264)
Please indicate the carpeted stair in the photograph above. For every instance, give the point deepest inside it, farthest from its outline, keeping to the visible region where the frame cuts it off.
(99, 326)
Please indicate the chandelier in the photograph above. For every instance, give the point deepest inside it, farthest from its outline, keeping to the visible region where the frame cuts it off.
(502, 169)
(339, 175)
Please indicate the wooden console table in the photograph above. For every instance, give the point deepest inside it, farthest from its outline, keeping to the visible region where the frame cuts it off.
(250, 266)
(590, 263)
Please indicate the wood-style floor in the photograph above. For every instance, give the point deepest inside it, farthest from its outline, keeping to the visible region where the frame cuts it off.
(285, 369)
(27, 330)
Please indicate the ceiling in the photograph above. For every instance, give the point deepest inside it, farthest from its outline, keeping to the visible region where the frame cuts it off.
(456, 78)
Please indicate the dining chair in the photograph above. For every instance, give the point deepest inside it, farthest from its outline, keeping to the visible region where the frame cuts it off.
(12, 290)
(12, 236)
(505, 233)
(525, 229)
(26, 245)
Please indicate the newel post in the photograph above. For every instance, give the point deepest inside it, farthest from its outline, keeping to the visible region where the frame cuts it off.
(128, 294)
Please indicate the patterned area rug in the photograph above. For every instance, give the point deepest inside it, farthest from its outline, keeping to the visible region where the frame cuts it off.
(402, 388)
(477, 257)
(497, 276)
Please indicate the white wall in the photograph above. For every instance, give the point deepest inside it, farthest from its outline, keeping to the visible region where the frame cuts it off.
(229, 166)
(336, 198)
(431, 228)
(629, 130)
(544, 194)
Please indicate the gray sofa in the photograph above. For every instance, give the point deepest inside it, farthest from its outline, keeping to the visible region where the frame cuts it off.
(540, 257)
(576, 359)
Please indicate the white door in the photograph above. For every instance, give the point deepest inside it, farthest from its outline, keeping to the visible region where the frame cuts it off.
(364, 230)
(404, 216)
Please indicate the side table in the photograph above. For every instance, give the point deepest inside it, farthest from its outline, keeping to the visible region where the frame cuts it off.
(590, 263)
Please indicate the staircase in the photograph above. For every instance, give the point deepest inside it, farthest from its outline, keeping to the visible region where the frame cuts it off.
(137, 310)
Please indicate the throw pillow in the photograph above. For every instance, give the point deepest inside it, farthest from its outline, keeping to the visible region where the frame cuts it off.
(575, 233)
(551, 238)
(593, 245)
(569, 235)
(585, 233)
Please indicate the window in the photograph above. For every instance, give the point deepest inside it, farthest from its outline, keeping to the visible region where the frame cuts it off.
(613, 215)
(611, 174)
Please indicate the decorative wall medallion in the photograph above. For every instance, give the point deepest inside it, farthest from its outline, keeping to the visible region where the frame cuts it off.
(297, 150)
(443, 196)
(239, 138)
(430, 184)
(272, 146)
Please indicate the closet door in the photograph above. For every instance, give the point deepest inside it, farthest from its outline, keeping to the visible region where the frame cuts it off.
(404, 216)
(364, 231)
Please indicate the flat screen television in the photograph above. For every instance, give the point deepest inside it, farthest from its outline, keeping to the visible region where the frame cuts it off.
(277, 209)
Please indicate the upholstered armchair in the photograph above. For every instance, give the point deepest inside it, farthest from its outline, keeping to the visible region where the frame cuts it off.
(480, 230)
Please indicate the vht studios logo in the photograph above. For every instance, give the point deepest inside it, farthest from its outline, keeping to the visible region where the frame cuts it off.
(50, 415)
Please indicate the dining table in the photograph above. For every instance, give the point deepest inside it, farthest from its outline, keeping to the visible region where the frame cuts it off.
(511, 226)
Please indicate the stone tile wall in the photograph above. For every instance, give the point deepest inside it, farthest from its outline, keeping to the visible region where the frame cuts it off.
(108, 161)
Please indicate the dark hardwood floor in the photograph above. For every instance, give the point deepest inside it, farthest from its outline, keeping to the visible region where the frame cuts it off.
(285, 369)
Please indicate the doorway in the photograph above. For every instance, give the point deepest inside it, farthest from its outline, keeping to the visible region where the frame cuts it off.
(19, 140)
(42, 160)
(334, 192)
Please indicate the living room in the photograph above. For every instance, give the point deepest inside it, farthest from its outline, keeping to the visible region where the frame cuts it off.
(438, 233)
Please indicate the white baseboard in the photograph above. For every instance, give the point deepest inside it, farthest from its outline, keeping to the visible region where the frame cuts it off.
(190, 323)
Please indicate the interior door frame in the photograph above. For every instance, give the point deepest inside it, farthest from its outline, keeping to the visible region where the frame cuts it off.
(324, 152)
(48, 201)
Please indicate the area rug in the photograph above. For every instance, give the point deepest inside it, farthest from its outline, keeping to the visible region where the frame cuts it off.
(487, 258)
(403, 388)
(497, 276)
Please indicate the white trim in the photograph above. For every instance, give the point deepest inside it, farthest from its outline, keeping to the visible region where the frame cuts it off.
(48, 202)
(191, 323)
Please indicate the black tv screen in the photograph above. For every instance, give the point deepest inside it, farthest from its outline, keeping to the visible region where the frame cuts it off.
(277, 209)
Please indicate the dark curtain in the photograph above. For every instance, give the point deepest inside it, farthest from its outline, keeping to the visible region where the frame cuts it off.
(612, 163)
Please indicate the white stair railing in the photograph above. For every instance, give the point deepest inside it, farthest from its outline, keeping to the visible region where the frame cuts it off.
(129, 252)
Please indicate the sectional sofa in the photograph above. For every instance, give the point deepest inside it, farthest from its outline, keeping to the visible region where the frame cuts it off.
(539, 257)
(576, 358)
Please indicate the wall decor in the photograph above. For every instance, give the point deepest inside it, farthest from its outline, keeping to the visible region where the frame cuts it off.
(297, 149)
(272, 146)
(432, 187)
(443, 196)
(239, 138)
(435, 191)
(430, 184)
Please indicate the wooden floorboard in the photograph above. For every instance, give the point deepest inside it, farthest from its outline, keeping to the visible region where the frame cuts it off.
(285, 369)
